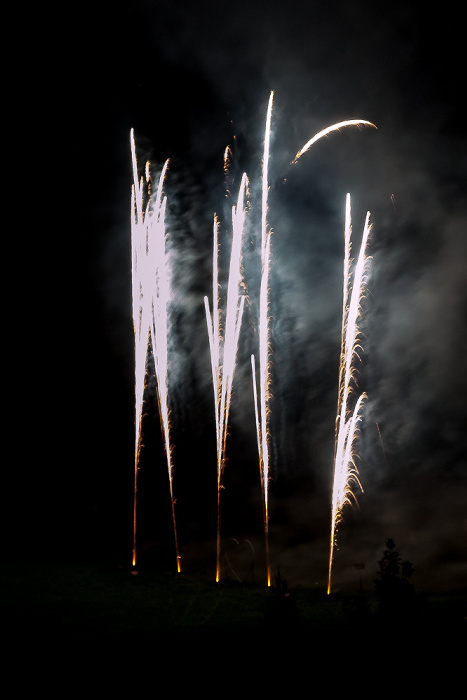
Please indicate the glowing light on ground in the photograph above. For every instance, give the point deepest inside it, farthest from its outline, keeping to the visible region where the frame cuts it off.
(150, 300)
(223, 344)
(262, 407)
(345, 470)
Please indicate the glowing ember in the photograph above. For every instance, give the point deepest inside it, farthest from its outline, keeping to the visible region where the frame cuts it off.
(345, 471)
(151, 295)
(223, 346)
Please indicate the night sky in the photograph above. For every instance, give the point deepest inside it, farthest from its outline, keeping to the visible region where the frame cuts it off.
(192, 78)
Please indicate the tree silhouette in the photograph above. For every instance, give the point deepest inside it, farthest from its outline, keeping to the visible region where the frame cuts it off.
(392, 586)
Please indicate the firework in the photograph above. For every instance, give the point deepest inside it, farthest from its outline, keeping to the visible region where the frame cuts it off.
(223, 344)
(328, 130)
(150, 296)
(345, 470)
(262, 406)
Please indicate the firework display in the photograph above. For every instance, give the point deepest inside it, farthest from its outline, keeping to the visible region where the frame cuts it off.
(151, 301)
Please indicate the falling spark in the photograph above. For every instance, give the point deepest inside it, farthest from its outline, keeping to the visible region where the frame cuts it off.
(150, 296)
(345, 471)
(223, 346)
(262, 408)
(227, 158)
(328, 130)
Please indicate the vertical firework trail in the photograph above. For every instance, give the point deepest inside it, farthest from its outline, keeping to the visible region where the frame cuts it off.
(345, 471)
(262, 408)
(151, 295)
(223, 345)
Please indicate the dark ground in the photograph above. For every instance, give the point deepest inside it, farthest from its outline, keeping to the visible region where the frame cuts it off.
(105, 603)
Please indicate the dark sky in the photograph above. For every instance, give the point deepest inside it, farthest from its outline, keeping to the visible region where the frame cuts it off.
(192, 78)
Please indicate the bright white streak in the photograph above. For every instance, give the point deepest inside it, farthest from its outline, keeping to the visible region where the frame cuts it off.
(255, 401)
(224, 349)
(213, 331)
(262, 410)
(328, 130)
(140, 319)
(345, 471)
(151, 295)
(157, 259)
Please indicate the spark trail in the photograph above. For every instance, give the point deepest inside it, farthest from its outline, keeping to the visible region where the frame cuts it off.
(328, 130)
(150, 298)
(262, 406)
(345, 470)
(223, 345)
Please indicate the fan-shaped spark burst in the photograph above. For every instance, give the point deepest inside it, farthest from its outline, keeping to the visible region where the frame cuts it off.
(223, 346)
(150, 296)
(345, 471)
